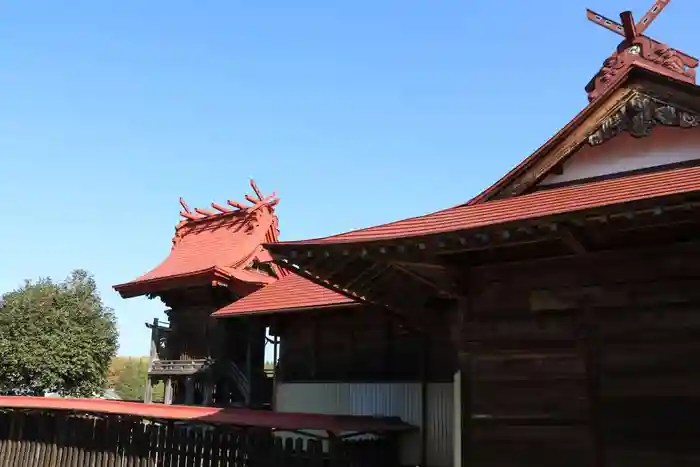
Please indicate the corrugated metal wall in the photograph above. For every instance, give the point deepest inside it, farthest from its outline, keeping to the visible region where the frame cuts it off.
(385, 399)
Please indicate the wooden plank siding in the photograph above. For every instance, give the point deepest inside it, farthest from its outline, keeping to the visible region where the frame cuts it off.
(586, 360)
(360, 344)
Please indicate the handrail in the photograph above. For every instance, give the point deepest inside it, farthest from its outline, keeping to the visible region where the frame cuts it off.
(240, 379)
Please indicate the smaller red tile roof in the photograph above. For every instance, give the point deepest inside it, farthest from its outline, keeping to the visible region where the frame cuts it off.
(228, 416)
(531, 206)
(214, 246)
(291, 293)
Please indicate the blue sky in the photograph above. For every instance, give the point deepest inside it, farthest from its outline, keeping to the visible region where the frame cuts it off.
(356, 113)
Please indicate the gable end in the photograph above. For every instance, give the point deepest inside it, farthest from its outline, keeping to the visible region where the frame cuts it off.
(634, 112)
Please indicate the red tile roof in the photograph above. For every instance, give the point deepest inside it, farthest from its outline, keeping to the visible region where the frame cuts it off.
(530, 206)
(213, 246)
(291, 293)
(229, 416)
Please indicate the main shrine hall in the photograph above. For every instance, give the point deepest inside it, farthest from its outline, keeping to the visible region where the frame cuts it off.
(549, 321)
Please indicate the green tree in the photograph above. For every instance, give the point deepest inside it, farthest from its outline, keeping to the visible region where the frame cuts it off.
(128, 376)
(56, 337)
(132, 380)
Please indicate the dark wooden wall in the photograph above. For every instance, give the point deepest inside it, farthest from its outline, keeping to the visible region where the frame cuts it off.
(590, 360)
(195, 334)
(361, 343)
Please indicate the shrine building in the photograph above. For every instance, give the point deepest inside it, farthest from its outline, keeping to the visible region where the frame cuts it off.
(549, 321)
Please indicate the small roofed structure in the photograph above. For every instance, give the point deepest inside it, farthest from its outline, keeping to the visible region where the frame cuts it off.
(217, 257)
(219, 247)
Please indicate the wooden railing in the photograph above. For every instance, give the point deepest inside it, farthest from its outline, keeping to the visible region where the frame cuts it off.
(239, 378)
(48, 438)
(177, 367)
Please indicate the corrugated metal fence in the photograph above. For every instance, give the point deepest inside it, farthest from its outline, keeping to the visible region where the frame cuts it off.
(386, 399)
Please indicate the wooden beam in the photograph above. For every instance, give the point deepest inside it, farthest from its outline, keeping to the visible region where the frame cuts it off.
(465, 349)
(571, 240)
(628, 25)
(448, 291)
(420, 265)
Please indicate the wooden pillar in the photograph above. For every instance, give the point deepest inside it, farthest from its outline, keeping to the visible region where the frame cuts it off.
(252, 389)
(189, 390)
(275, 343)
(388, 342)
(208, 389)
(168, 396)
(465, 355)
(154, 340)
(589, 339)
(223, 392)
(148, 391)
(592, 356)
(425, 361)
(314, 346)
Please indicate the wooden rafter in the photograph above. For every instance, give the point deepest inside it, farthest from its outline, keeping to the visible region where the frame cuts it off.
(571, 240)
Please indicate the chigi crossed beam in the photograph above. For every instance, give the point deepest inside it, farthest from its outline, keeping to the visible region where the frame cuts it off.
(629, 29)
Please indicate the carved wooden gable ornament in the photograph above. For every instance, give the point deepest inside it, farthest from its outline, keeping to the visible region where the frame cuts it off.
(639, 115)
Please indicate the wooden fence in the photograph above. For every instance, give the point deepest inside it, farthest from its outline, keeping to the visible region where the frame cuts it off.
(47, 438)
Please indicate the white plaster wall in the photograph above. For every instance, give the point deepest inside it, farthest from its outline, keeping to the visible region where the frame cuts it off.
(581, 167)
(385, 399)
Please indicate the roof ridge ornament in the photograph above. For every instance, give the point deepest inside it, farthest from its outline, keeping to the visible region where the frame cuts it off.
(256, 203)
(637, 49)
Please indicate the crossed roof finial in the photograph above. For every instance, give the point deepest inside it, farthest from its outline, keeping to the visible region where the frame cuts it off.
(638, 50)
(628, 29)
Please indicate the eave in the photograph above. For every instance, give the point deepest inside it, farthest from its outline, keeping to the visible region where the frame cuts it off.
(413, 264)
(207, 277)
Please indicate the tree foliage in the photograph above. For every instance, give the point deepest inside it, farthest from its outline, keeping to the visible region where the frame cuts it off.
(56, 337)
(128, 375)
